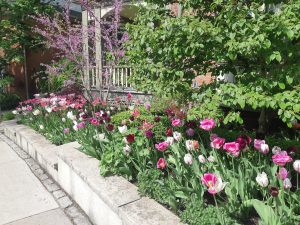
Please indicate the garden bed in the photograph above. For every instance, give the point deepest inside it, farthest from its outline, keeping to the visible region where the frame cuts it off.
(106, 200)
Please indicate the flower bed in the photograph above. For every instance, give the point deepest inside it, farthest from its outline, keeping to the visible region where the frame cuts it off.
(181, 164)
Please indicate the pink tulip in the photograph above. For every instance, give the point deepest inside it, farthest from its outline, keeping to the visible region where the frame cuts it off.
(281, 158)
(217, 142)
(161, 164)
(213, 182)
(176, 122)
(282, 174)
(207, 124)
(162, 146)
(258, 143)
(94, 121)
(232, 148)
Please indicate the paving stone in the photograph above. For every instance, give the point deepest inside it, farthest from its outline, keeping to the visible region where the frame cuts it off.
(64, 202)
(35, 167)
(24, 155)
(73, 212)
(58, 194)
(81, 221)
(52, 187)
(38, 172)
(43, 177)
(48, 181)
(30, 161)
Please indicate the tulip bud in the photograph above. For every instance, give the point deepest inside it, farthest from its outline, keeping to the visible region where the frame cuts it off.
(262, 179)
(287, 184)
(296, 166)
(264, 148)
(274, 191)
(201, 159)
(188, 159)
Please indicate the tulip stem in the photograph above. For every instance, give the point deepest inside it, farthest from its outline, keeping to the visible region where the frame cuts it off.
(219, 213)
(297, 181)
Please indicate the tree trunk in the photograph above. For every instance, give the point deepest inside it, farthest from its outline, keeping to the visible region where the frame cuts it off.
(262, 124)
(25, 72)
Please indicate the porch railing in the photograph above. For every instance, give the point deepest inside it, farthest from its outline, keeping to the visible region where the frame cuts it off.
(115, 78)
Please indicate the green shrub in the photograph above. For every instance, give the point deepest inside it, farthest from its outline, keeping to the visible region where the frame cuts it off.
(9, 101)
(198, 214)
(8, 116)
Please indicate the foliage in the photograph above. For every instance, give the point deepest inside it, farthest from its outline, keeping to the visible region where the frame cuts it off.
(255, 42)
(198, 214)
(16, 27)
(7, 116)
(9, 101)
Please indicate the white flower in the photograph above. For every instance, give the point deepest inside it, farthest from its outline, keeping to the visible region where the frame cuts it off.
(276, 150)
(48, 109)
(100, 137)
(296, 165)
(75, 126)
(127, 149)
(122, 129)
(264, 148)
(188, 159)
(108, 113)
(29, 118)
(189, 145)
(24, 108)
(41, 127)
(287, 184)
(170, 140)
(70, 114)
(15, 112)
(36, 112)
(36, 95)
(262, 179)
(177, 136)
(63, 120)
(125, 140)
(219, 185)
(131, 107)
(211, 158)
(201, 159)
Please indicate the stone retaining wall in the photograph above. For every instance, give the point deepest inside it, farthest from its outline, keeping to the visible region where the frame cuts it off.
(106, 200)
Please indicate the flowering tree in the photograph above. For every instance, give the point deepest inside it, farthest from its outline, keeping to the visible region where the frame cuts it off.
(66, 36)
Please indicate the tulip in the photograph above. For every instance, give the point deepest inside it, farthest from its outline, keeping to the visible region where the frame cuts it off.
(148, 134)
(94, 121)
(177, 136)
(296, 166)
(110, 127)
(147, 106)
(188, 159)
(276, 150)
(217, 142)
(257, 143)
(130, 138)
(36, 112)
(287, 184)
(161, 164)
(282, 174)
(157, 119)
(176, 122)
(127, 149)
(122, 129)
(170, 140)
(211, 158)
(66, 130)
(274, 191)
(41, 127)
(262, 179)
(201, 159)
(212, 137)
(162, 146)
(213, 182)
(190, 132)
(169, 132)
(264, 148)
(232, 148)
(281, 158)
(207, 124)
(191, 145)
(15, 112)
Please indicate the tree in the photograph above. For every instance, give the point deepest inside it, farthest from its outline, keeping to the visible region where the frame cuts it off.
(16, 29)
(257, 41)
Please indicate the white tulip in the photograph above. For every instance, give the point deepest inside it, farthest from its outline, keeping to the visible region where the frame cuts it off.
(127, 149)
(262, 179)
(287, 184)
(189, 145)
(122, 129)
(48, 109)
(211, 158)
(177, 136)
(296, 165)
(201, 159)
(36, 112)
(41, 127)
(276, 150)
(170, 140)
(63, 120)
(188, 159)
(264, 148)
(15, 112)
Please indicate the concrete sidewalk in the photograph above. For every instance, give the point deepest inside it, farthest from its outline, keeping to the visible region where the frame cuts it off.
(23, 198)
